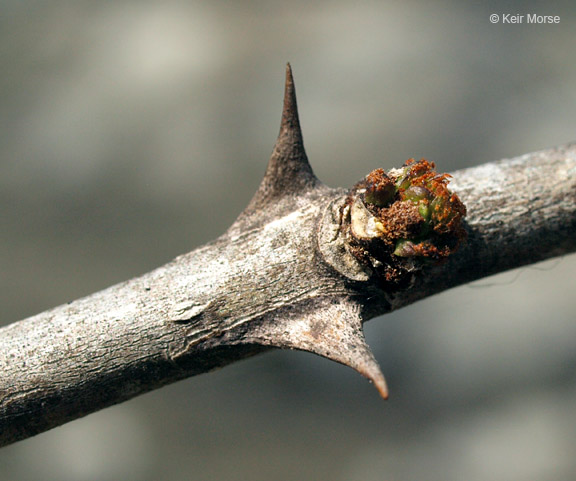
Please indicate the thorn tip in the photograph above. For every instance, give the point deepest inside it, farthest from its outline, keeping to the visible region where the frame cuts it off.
(290, 120)
(382, 387)
(364, 363)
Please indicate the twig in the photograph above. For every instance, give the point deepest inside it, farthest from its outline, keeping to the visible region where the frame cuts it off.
(281, 276)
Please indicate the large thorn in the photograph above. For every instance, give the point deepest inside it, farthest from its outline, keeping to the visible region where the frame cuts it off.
(331, 329)
(288, 171)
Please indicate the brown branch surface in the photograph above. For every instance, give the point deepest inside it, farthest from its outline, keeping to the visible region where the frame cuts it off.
(279, 277)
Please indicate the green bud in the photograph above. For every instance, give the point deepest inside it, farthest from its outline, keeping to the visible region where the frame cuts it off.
(425, 211)
(403, 180)
(416, 193)
(404, 248)
(380, 189)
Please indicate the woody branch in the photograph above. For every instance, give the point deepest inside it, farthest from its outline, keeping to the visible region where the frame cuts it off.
(283, 276)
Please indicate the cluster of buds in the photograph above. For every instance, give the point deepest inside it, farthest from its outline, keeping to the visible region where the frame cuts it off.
(405, 213)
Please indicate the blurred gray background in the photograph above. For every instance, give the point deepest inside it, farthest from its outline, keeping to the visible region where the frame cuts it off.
(134, 131)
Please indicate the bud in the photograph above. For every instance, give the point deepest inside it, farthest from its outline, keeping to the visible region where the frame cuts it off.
(380, 189)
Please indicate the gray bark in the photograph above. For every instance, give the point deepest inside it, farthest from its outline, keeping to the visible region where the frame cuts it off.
(279, 277)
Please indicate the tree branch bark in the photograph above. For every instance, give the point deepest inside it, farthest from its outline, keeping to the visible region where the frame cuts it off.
(279, 277)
